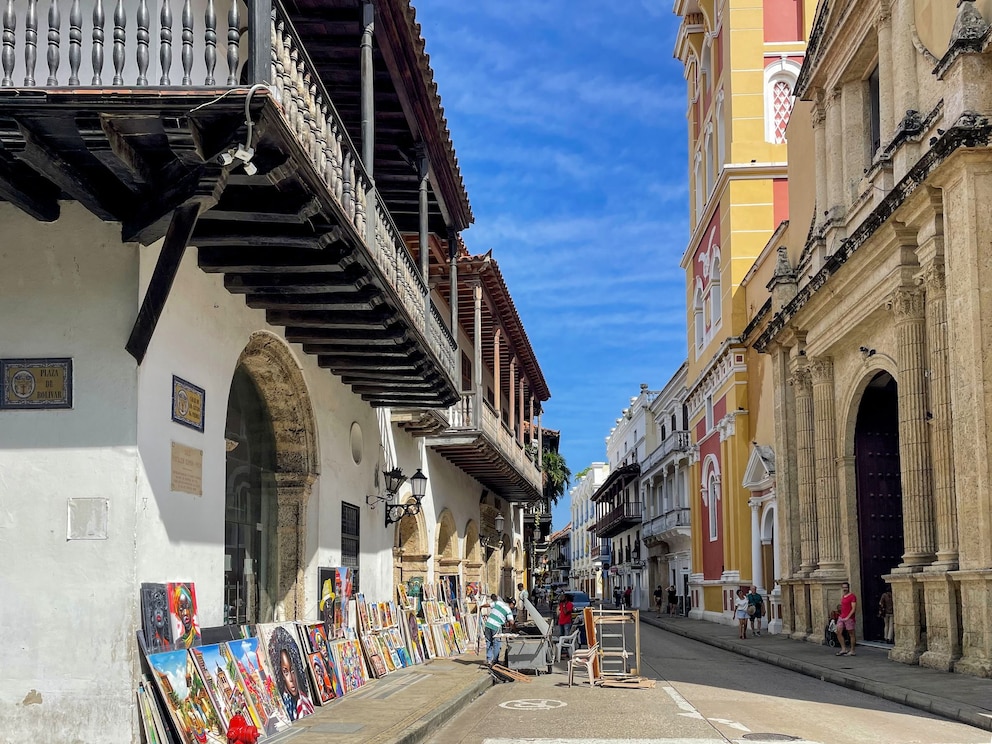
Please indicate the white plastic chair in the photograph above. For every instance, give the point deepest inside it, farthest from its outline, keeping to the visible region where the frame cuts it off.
(586, 658)
(571, 641)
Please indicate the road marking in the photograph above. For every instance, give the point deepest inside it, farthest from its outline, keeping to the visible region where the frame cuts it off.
(683, 704)
(533, 704)
(731, 724)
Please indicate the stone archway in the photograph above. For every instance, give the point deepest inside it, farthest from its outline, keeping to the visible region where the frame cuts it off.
(276, 376)
(446, 553)
(410, 551)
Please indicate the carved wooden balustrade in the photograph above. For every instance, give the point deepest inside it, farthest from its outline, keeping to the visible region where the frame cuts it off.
(259, 45)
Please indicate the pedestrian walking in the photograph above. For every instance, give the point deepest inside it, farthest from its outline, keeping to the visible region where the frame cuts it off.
(627, 593)
(885, 611)
(499, 615)
(755, 609)
(565, 608)
(618, 597)
(740, 613)
(659, 599)
(673, 600)
(848, 606)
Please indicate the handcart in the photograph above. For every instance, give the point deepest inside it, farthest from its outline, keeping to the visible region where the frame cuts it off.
(531, 647)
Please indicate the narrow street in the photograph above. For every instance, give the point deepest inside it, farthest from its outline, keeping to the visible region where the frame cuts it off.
(702, 695)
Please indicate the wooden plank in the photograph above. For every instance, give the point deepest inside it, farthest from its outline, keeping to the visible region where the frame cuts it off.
(97, 197)
(510, 673)
(166, 268)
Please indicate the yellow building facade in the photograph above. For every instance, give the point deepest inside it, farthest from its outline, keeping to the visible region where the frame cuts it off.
(741, 60)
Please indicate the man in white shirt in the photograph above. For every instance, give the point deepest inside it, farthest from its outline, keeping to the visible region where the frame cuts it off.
(521, 607)
(499, 614)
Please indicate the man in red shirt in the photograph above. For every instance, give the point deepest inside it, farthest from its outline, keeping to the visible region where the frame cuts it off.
(848, 605)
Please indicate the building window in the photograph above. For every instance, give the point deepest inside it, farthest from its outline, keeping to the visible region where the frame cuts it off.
(874, 114)
(698, 318)
(716, 301)
(697, 176)
(780, 80)
(350, 541)
(714, 511)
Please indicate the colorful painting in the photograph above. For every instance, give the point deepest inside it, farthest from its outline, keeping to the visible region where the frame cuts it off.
(155, 622)
(245, 664)
(182, 613)
(363, 613)
(151, 722)
(317, 644)
(285, 658)
(325, 590)
(323, 686)
(223, 691)
(186, 697)
(350, 664)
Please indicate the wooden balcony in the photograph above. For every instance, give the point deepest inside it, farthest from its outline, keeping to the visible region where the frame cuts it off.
(211, 124)
(619, 518)
(479, 443)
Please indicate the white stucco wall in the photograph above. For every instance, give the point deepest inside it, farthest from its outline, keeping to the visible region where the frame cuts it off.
(68, 609)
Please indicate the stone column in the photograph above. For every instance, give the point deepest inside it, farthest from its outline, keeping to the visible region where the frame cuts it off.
(828, 498)
(757, 567)
(787, 511)
(805, 450)
(914, 441)
(818, 120)
(941, 445)
(834, 153)
(292, 494)
(886, 109)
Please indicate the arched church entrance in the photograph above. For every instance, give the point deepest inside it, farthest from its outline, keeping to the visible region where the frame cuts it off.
(879, 492)
(271, 465)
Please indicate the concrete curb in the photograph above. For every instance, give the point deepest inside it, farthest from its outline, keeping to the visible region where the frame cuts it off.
(441, 715)
(942, 707)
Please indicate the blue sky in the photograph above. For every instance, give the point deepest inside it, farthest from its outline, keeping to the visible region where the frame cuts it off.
(568, 117)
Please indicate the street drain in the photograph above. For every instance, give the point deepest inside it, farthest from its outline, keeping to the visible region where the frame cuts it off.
(770, 737)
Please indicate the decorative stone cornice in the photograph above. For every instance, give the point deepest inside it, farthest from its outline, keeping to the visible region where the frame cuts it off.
(971, 129)
(906, 304)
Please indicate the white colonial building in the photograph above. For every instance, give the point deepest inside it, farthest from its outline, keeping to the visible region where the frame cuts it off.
(618, 505)
(666, 529)
(588, 556)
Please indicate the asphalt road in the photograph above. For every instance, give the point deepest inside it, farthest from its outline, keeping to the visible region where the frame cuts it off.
(703, 695)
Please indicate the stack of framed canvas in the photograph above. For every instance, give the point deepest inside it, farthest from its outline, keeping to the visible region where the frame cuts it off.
(275, 674)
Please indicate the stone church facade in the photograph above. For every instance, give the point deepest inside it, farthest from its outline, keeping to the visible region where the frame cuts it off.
(878, 317)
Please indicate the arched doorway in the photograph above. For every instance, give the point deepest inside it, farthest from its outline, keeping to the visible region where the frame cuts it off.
(271, 466)
(249, 590)
(879, 490)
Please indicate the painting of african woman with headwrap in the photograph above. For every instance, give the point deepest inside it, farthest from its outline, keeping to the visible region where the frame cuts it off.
(182, 613)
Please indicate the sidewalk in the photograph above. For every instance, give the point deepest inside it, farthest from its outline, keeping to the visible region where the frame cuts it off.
(957, 697)
(404, 707)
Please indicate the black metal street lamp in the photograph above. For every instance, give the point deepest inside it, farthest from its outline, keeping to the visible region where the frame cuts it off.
(395, 511)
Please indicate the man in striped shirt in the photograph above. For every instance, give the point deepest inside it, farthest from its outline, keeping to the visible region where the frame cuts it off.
(499, 614)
